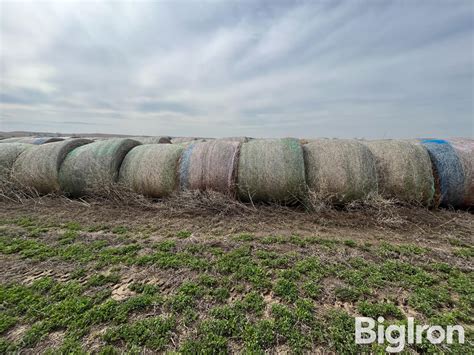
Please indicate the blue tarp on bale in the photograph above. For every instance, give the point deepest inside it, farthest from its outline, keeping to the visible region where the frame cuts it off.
(448, 169)
(184, 166)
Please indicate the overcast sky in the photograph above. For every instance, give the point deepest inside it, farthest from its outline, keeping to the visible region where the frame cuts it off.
(256, 68)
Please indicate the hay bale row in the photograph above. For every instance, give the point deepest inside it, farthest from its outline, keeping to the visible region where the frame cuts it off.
(151, 169)
(210, 166)
(282, 170)
(38, 167)
(271, 170)
(464, 148)
(340, 170)
(94, 166)
(448, 172)
(404, 171)
(9, 152)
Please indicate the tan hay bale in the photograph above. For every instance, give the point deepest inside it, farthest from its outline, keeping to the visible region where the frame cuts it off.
(38, 166)
(464, 148)
(151, 169)
(271, 170)
(9, 152)
(94, 166)
(210, 166)
(404, 171)
(153, 140)
(340, 170)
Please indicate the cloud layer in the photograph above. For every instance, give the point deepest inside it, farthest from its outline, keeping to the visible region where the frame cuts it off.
(307, 69)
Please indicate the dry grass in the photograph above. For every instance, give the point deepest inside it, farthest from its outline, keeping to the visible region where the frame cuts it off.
(373, 211)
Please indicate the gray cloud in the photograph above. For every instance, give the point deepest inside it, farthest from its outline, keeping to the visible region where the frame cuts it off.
(264, 68)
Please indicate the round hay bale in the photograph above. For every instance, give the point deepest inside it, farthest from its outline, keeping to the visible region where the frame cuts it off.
(9, 152)
(271, 170)
(210, 166)
(340, 170)
(94, 166)
(153, 140)
(151, 169)
(447, 170)
(464, 148)
(38, 167)
(404, 171)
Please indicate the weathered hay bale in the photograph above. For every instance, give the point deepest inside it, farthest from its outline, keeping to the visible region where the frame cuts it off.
(94, 166)
(210, 166)
(404, 171)
(447, 170)
(153, 140)
(38, 167)
(271, 170)
(340, 170)
(464, 148)
(151, 169)
(9, 152)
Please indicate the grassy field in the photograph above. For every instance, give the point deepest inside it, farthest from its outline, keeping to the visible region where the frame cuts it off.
(81, 277)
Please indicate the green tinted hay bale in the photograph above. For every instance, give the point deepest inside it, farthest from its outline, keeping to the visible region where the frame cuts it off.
(210, 166)
(151, 169)
(404, 171)
(340, 170)
(9, 152)
(94, 166)
(271, 170)
(464, 148)
(153, 140)
(38, 167)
